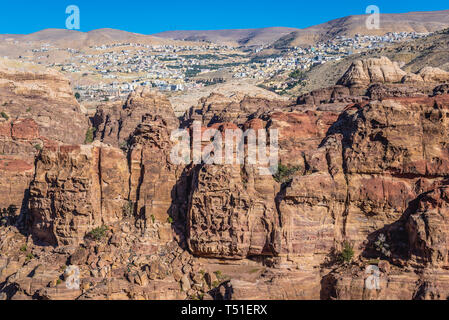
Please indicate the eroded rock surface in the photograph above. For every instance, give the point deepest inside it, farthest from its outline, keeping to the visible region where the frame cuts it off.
(364, 165)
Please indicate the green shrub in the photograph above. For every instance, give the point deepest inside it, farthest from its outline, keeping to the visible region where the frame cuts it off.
(285, 173)
(98, 233)
(298, 75)
(128, 209)
(77, 96)
(373, 261)
(347, 253)
(30, 257)
(219, 274)
(170, 220)
(38, 147)
(23, 248)
(4, 115)
(254, 270)
(124, 146)
(89, 135)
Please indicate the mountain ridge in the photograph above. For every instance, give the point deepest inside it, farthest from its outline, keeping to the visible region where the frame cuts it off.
(276, 37)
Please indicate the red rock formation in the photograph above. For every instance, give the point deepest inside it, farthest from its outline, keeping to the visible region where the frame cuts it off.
(77, 189)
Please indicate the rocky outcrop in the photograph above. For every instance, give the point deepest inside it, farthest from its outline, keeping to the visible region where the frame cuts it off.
(77, 189)
(428, 228)
(20, 142)
(358, 209)
(44, 95)
(115, 122)
(386, 91)
(335, 94)
(373, 70)
(376, 79)
(232, 213)
(37, 107)
(217, 108)
(441, 89)
(429, 74)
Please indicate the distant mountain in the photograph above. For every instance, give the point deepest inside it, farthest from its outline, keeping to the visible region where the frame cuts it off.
(348, 26)
(242, 37)
(277, 37)
(75, 39)
(420, 22)
(412, 56)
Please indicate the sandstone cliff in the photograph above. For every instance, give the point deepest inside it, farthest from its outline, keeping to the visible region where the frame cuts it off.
(363, 170)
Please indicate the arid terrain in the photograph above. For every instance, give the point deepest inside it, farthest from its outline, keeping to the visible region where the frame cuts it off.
(358, 208)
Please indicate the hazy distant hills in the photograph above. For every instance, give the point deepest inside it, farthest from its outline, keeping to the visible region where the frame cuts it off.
(412, 56)
(420, 22)
(348, 26)
(278, 37)
(76, 39)
(243, 37)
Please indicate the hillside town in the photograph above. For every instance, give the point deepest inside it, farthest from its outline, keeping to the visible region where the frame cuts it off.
(111, 72)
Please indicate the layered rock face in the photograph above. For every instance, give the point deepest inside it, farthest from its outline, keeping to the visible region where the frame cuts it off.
(232, 213)
(77, 189)
(115, 122)
(373, 70)
(376, 79)
(37, 107)
(427, 227)
(378, 172)
(19, 144)
(218, 108)
(358, 169)
(375, 161)
(44, 95)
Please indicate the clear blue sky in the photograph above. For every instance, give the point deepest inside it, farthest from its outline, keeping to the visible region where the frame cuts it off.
(150, 16)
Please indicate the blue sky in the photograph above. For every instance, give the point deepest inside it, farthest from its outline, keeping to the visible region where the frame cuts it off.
(150, 16)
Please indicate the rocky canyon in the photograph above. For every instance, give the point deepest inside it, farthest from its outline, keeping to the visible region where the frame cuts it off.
(362, 185)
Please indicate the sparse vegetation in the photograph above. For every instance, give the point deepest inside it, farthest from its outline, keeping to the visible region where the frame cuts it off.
(170, 220)
(219, 275)
(77, 96)
(90, 135)
(373, 261)
(29, 257)
(285, 173)
(99, 233)
(254, 270)
(128, 209)
(382, 246)
(38, 147)
(124, 146)
(153, 218)
(4, 115)
(347, 253)
(28, 109)
(298, 75)
(23, 248)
